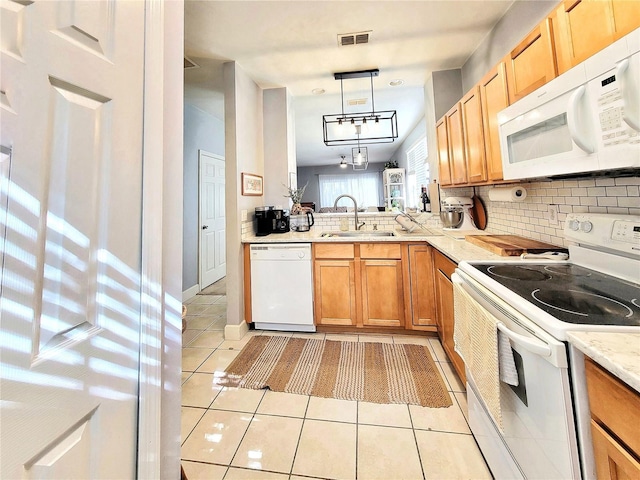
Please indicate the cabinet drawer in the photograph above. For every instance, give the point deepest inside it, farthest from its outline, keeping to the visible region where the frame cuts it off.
(614, 404)
(442, 263)
(334, 250)
(380, 250)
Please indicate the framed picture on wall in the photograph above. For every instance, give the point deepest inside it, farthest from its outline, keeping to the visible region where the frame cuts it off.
(251, 184)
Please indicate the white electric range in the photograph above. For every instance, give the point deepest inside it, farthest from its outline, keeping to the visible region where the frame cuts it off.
(545, 431)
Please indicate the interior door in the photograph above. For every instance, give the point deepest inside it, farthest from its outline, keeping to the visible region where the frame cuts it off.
(72, 84)
(212, 222)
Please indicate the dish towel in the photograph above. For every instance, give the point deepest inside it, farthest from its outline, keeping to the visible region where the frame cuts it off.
(508, 371)
(475, 336)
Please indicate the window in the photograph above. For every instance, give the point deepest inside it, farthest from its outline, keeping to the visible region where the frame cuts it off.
(417, 171)
(364, 187)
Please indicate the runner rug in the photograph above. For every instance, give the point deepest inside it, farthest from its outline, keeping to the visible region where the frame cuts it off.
(371, 372)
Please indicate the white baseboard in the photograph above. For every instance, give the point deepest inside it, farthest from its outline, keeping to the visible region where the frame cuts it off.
(236, 332)
(190, 292)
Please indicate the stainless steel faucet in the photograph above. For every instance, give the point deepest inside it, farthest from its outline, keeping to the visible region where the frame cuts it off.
(355, 210)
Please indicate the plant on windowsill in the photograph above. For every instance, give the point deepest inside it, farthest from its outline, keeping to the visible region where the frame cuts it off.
(295, 194)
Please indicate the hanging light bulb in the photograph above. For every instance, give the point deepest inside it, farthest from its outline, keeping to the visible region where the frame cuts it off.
(359, 157)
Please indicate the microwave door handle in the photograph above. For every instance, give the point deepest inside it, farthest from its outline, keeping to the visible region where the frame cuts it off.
(572, 120)
(534, 346)
(631, 114)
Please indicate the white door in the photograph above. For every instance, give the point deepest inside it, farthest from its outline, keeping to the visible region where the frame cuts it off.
(212, 229)
(72, 84)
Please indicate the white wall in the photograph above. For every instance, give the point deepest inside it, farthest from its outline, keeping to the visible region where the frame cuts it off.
(202, 131)
(277, 146)
(244, 147)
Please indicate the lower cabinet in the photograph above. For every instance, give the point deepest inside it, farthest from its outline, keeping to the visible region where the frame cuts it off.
(443, 269)
(387, 285)
(615, 416)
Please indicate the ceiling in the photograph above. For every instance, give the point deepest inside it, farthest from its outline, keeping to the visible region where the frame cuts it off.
(294, 44)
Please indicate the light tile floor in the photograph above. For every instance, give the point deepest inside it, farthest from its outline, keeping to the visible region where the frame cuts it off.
(237, 434)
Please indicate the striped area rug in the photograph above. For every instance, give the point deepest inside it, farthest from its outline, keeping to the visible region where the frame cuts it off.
(371, 372)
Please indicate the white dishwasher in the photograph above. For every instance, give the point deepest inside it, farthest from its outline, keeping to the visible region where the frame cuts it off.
(282, 287)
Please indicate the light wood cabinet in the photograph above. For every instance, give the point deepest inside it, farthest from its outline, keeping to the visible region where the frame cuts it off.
(532, 63)
(359, 284)
(473, 133)
(457, 158)
(493, 97)
(615, 416)
(421, 285)
(443, 269)
(584, 27)
(443, 152)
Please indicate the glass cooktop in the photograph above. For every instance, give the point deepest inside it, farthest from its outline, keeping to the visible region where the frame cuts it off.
(571, 293)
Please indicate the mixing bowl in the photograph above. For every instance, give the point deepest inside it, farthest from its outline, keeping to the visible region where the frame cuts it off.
(451, 217)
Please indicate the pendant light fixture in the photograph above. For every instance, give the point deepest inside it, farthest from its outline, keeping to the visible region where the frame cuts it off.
(374, 126)
(359, 155)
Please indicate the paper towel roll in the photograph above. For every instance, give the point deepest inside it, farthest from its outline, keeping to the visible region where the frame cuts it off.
(510, 194)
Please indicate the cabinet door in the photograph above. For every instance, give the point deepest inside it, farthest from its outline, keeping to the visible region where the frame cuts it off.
(612, 460)
(532, 63)
(382, 293)
(626, 16)
(335, 292)
(473, 136)
(445, 314)
(493, 97)
(582, 28)
(457, 158)
(443, 152)
(423, 312)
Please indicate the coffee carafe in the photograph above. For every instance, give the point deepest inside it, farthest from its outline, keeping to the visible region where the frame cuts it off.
(302, 222)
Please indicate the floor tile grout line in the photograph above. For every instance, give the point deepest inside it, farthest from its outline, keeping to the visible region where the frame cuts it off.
(193, 428)
(357, 432)
(253, 415)
(293, 462)
(415, 439)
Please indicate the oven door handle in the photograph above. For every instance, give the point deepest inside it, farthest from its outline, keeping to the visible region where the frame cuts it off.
(538, 348)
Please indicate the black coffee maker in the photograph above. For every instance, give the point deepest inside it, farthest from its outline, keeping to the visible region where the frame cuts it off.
(270, 220)
(280, 221)
(264, 221)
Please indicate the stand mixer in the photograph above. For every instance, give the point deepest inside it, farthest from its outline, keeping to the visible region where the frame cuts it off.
(455, 214)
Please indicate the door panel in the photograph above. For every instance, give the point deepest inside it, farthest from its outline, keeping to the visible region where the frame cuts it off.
(212, 219)
(70, 301)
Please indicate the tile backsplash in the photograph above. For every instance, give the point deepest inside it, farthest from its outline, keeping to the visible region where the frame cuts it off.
(530, 218)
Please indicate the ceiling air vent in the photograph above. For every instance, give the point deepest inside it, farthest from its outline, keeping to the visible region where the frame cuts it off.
(189, 64)
(358, 38)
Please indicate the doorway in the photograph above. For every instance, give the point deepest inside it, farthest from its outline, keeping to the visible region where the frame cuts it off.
(212, 238)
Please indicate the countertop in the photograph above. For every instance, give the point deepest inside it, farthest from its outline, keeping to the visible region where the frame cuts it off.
(618, 353)
(456, 249)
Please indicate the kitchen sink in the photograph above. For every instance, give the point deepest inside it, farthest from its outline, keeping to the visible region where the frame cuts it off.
(373, 233)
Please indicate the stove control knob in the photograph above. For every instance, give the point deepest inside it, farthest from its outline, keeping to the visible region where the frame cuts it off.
(574, 225)
(586, 227)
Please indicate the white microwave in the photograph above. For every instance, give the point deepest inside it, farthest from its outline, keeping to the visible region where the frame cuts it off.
(585, 120)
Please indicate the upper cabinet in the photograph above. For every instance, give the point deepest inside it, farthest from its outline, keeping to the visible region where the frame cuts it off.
(532, 63)
(443, 152)
(468, 135)
(584, 27)
(471, 107)
(457, 158)
(494, 97)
